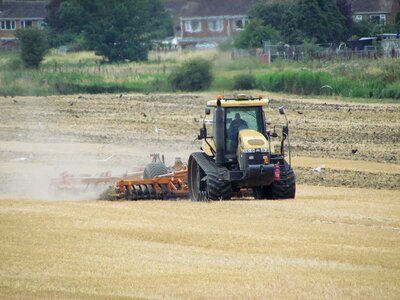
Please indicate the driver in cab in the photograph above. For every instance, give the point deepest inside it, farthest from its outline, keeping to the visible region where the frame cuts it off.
(236, 125)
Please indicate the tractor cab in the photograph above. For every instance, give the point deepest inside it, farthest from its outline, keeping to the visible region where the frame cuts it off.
(242, 127)
(237, 155)
(238, 119)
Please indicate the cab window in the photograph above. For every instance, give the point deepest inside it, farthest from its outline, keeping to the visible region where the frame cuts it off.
(239, 118)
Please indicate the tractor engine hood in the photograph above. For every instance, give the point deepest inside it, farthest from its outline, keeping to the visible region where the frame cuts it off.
(254, 158)
(250, 140)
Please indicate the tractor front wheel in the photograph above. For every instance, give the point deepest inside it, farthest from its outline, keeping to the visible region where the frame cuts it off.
(285, 188)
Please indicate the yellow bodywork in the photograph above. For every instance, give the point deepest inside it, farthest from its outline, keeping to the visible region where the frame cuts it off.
(251, 139)
(239, 103)
(206, 147)
(248, 139)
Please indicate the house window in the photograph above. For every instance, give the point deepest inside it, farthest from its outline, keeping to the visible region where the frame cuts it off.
(193, 26)
(240, 24)
(26, 23)
(7, 25)
(357, 18)
(10, 25)
(215, 25)
(379, 19)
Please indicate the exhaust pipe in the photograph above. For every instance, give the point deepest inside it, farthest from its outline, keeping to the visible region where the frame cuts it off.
(219, 132)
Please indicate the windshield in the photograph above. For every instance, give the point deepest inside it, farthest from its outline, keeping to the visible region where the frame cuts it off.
(238, 118)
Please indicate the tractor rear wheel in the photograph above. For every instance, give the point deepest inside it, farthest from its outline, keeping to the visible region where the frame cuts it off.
(261, 192)
(218, 190)
(285, 188)
(196, 181)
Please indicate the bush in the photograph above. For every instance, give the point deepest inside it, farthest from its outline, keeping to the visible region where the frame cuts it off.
(296, 82)
(244, 82)
(192, 75)
(34, 46)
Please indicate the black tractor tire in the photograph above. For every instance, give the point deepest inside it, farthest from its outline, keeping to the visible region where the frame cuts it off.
(154, 169)
(218, 190)
(285, 188)
(196, 181)
(261, 192)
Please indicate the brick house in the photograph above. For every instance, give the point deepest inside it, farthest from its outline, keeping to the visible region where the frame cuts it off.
(208, 21)
(20, 14)
(380, 11)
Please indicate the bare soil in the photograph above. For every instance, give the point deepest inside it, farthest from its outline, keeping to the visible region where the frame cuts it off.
(44, 136)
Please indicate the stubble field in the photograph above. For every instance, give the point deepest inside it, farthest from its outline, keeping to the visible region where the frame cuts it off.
(339, 239)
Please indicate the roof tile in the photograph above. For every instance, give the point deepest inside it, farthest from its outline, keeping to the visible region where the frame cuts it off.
(371, 6)
(23, 9)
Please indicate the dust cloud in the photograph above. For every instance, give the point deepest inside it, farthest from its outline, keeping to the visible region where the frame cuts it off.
(46, 139)
(53, 171)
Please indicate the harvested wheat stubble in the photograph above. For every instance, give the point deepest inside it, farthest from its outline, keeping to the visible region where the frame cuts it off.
(328, 243)
(331, 242)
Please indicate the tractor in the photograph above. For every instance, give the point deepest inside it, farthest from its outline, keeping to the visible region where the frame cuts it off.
(242, 152)
(244, 156)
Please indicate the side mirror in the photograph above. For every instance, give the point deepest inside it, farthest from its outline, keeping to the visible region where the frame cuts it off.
(207, 111)
(202, 134)
(282, 110)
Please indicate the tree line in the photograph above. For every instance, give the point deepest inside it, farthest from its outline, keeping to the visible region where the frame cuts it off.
(310, 21)
(124, 30)
(118, 30)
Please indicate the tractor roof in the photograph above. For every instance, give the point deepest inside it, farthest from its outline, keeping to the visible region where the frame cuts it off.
(239, 102)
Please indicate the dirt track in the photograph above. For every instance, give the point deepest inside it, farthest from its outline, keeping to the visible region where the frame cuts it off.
(338, 240)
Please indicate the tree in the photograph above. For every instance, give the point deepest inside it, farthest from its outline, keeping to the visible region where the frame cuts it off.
(397, 22)
(269, 13)
(60, 30)
(280, 16)
(116, 29)
(320, 20)
(53, 15)
(345, 9)
(254, 34)
(297, 21)
(368, 28)
(34, 46)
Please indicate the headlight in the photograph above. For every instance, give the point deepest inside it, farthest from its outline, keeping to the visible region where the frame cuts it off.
(265, 150)
(252, 150)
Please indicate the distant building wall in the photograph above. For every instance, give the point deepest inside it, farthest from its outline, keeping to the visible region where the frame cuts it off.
(9, 27)
(202, 29)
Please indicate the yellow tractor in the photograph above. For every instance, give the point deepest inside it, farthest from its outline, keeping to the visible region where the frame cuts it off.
(239, 155)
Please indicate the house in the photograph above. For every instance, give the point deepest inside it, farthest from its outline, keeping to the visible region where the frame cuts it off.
(208, 21)
(379, 11)
(20, 14)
